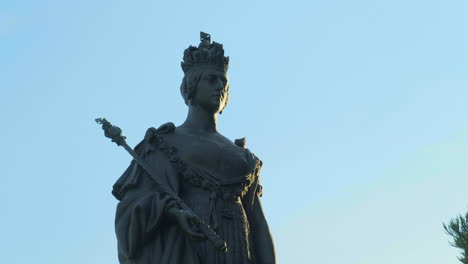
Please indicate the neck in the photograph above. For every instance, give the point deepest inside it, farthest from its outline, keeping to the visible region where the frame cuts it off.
(201, 120)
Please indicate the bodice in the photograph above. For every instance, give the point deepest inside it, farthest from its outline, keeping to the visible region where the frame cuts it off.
(215, 155)
(233, 172)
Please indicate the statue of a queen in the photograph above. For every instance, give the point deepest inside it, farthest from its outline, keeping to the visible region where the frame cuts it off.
(217, 178)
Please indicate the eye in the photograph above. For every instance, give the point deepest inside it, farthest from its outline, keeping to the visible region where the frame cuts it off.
(210, 78)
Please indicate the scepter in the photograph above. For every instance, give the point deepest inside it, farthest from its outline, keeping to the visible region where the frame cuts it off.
(115, 133)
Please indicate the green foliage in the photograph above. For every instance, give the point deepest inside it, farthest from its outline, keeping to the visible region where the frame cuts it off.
(458, 229)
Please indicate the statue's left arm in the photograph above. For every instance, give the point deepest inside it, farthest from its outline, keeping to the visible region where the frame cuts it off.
(264, 248)
(260, 232)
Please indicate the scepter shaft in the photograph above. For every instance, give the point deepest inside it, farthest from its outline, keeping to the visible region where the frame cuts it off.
(115, 133)
(148, 169)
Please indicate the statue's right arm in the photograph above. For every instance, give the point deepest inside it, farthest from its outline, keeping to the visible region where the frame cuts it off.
(142, 209)
(185, 219)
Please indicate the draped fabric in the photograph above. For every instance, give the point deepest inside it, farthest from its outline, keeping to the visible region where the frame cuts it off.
(147, 236)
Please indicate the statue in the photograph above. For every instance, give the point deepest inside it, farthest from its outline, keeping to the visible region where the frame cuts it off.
(209, 180)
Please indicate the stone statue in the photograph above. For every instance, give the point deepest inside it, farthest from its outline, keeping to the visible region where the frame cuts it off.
(216, 178)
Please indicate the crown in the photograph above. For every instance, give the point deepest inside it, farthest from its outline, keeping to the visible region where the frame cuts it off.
(206, 55)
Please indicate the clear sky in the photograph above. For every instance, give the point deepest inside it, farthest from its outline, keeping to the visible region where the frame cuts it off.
(358, 110)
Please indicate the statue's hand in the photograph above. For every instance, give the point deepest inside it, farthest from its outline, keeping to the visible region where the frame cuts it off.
(187, 221)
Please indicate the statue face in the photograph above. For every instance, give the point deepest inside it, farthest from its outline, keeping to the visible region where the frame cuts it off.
(211, 93)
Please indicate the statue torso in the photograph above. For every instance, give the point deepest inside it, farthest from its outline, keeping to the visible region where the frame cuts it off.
(212, 153)
(214, 177)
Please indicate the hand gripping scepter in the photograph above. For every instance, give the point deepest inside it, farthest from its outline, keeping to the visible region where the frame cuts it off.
(115, 133)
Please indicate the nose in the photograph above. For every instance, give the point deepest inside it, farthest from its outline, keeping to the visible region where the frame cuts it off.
(219, 85)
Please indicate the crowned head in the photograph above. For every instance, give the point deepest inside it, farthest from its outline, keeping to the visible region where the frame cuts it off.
(205, 82)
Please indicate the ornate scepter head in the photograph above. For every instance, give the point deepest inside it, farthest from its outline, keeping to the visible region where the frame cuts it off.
(110, 131)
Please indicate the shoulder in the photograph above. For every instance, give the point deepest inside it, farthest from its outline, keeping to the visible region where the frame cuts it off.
(166, 128)
(153, 137)
(255, 161)
(240, 142)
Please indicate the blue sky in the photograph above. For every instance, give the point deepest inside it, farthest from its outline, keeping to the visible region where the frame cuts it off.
(358, 110)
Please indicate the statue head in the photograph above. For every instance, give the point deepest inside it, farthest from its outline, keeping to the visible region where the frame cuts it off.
(205, 82)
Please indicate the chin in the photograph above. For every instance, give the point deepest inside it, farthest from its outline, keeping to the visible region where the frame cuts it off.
(216, 107)
(212, 108)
